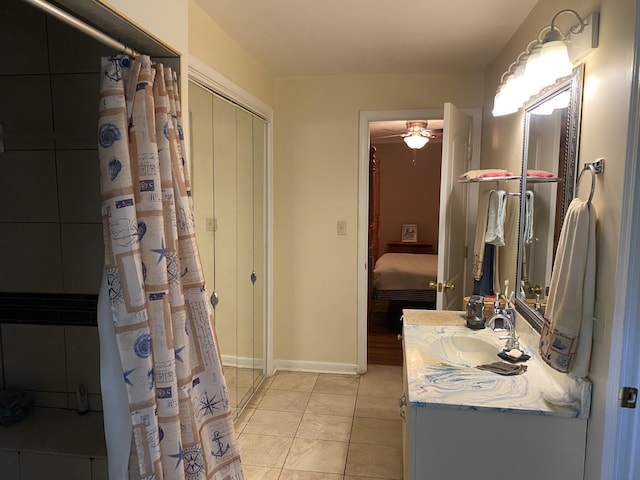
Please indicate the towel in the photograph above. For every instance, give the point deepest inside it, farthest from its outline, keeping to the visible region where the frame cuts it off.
(485, 173)
(486, 285)
(481, 230)
(540, 174)
(495, 218)
(528, 218)
(566, 338)
(503, 368)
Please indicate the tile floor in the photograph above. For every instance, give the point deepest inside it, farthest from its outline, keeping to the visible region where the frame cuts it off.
(305, 426)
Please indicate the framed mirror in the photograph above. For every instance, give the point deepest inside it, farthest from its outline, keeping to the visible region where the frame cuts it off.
(549, 165)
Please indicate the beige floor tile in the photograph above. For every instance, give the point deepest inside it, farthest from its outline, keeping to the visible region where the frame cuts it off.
(300, 475)
(245, 377)
(377, 407)
(373, 387)
(325, 427)
(331, 404)
(338, 384)
(377, 431)
(376, 461)
(284, 400)
(269, 422)
(322, 456)
(242, 420)
(298, 381)
(264, 450)
(252, 472)
(259, 394)
(383, 372)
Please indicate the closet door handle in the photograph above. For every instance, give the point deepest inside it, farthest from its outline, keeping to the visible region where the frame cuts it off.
(214, 299)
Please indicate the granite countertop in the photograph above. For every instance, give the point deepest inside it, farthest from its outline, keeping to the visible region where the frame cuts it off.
(433, 317)
(455, 382)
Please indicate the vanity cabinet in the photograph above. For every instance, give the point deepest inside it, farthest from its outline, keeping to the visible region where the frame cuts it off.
(451, 432)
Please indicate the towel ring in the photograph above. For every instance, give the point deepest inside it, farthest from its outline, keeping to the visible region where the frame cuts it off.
(596, 167)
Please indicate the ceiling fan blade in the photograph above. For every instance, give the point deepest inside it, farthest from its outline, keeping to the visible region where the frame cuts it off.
(390, 136)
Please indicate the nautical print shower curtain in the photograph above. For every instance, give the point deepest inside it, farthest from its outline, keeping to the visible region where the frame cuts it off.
(163, 323)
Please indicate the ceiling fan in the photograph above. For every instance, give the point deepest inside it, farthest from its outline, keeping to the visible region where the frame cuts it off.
(417, 134)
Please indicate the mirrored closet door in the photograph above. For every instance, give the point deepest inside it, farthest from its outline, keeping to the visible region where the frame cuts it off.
(228, 157)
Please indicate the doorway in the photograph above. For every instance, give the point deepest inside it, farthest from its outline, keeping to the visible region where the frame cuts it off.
(366, 118)
(404, 198)
(461, 149)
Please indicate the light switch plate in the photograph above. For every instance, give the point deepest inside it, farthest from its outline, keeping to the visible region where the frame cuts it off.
(342, 227)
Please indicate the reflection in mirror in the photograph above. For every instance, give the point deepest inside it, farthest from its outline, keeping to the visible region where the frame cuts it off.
(551, 135)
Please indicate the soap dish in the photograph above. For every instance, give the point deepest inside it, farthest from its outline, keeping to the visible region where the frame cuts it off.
(504, 355)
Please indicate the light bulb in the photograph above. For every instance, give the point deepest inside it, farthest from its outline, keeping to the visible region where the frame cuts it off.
(415, 141)
(554, 61)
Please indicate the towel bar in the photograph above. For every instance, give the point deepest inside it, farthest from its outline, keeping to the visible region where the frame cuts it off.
(596, 167)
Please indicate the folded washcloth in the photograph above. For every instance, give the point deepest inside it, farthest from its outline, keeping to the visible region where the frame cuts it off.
(540, 173)
(502, 368)
(505, 356)
(485, 173)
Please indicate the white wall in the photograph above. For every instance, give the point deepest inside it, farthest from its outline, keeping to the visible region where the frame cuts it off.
(315, 185)
(604, 132)
(409, 192)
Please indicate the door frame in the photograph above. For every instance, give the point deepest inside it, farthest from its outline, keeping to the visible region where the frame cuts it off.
(202, 73)
(367, 116)
(621, 445)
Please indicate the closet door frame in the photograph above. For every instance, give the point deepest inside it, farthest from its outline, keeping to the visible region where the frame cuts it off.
(203, 74)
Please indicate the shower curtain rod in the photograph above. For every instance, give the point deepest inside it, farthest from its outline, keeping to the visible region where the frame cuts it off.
(83, 27)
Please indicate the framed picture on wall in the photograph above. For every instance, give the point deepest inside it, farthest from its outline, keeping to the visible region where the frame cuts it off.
(409, 232)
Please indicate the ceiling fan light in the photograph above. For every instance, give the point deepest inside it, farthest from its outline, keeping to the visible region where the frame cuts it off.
(415, 142)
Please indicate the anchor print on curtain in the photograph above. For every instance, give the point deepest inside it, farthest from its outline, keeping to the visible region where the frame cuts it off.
(178, 402)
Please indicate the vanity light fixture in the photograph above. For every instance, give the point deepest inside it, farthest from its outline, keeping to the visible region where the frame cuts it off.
(418, 135)
(545, 61)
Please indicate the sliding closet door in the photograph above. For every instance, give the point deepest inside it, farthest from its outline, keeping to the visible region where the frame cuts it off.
(225, 234)
(244, 259)
(259, 242)
(228, 157)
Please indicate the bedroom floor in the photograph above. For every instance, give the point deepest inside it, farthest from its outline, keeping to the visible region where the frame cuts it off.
(383, 345)
(305, 426)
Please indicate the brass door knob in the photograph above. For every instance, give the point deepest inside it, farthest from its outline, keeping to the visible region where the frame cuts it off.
(447, 286)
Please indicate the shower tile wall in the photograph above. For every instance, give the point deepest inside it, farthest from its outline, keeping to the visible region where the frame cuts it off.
(51, 244)
(50, 222)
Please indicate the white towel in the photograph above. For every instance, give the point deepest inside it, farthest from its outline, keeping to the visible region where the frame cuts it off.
(495, 218)
(481, 230)
(566, 338)
(528, 218)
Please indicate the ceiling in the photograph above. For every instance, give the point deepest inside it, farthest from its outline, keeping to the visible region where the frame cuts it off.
(370, 37)
(367, 37)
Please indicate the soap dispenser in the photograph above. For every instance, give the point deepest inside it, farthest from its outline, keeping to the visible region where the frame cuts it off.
(475, 312)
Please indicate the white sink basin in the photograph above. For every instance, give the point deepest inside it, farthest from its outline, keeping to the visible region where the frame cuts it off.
(464, 350)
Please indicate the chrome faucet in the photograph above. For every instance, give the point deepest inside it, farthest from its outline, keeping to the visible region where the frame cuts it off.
(501, 322)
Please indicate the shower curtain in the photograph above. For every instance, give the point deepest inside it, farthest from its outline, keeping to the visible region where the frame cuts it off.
(161, 321)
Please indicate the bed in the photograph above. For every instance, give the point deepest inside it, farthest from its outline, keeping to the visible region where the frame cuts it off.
(405, 277)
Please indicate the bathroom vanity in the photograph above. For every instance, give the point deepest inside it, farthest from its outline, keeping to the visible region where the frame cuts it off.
(461, 422)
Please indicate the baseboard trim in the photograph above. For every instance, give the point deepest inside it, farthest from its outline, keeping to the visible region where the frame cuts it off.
(316, 367)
